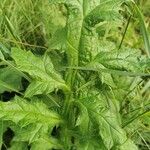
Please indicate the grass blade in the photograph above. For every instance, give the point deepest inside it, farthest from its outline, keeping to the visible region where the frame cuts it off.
(110, 71)
(143, 29)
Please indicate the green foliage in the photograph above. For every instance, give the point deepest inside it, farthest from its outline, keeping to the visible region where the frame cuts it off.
(69, 77)
(24, 115)
(45, 78)
(9, 80)
(22, 112)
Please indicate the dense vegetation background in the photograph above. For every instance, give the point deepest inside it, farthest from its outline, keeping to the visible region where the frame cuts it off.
(74, 74)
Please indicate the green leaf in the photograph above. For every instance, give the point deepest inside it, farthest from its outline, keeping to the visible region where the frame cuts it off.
(24, 113)
(124, 59)
(38, 87)
(96, 12)
(93, 143)
(1, 133)
(128, 144)
(83, 119)
(4, 49)
(106, 11)
(104, 113)
(33, 123)
(19, 146)
(10, 80)
(107, 79)
(97, 67)
(46, 143)
(58, 40)
(45, 78)
(93, 99)
(34, 134)
(3, 128)
(1, 55)
(87, 140)
(30, 133)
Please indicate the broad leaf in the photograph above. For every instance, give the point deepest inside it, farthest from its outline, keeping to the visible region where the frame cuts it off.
(24, 113)
(104, 113)
(125, 59)
(31, 132)
(41, 70)
(105, 11)
(37, 135)
(33, 122)
(45, 143)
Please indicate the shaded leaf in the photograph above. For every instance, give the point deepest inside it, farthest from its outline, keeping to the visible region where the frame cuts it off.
(2, 130)
(10, 80)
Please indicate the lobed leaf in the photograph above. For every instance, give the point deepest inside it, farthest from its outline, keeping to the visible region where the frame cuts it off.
(45, 78)
(104, 114)
(22, 112)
